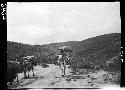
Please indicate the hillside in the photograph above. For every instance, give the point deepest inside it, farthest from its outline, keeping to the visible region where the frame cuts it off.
(94, 51)
(18, 50)
(97, 51)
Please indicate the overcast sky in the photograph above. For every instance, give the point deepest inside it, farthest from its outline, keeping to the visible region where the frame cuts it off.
(51, 22)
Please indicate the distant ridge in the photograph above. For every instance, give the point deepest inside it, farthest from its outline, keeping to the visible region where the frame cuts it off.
(95, 51)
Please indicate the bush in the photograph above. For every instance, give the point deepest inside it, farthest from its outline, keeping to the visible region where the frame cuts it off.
(44, 65)
(43, 59)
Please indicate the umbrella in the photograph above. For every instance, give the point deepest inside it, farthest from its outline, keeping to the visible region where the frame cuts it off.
(65, 48)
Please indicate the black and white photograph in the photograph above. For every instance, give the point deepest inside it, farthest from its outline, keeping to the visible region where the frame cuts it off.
(63, 45)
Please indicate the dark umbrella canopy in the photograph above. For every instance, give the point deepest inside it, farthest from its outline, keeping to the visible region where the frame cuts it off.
(65, 48)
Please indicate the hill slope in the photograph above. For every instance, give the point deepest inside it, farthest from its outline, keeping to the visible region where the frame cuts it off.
(94, 51)
(97, 51)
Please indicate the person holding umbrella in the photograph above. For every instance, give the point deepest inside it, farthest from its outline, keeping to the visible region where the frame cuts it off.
(63, 52)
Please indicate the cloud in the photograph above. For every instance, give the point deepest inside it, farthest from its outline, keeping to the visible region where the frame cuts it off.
(48, 22)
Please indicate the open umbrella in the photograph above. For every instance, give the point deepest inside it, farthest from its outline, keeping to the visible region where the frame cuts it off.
(65, 48)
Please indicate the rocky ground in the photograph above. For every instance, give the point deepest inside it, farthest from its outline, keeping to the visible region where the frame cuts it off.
(50, 77)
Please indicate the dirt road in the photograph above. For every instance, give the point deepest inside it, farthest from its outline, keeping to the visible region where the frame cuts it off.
(50, 77)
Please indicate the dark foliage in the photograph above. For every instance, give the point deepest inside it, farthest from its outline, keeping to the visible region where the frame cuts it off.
(88, 53)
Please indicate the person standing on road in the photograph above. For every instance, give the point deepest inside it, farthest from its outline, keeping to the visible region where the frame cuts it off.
(64, 55)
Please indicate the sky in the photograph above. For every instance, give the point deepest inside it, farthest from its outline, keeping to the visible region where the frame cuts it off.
(52, 22)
